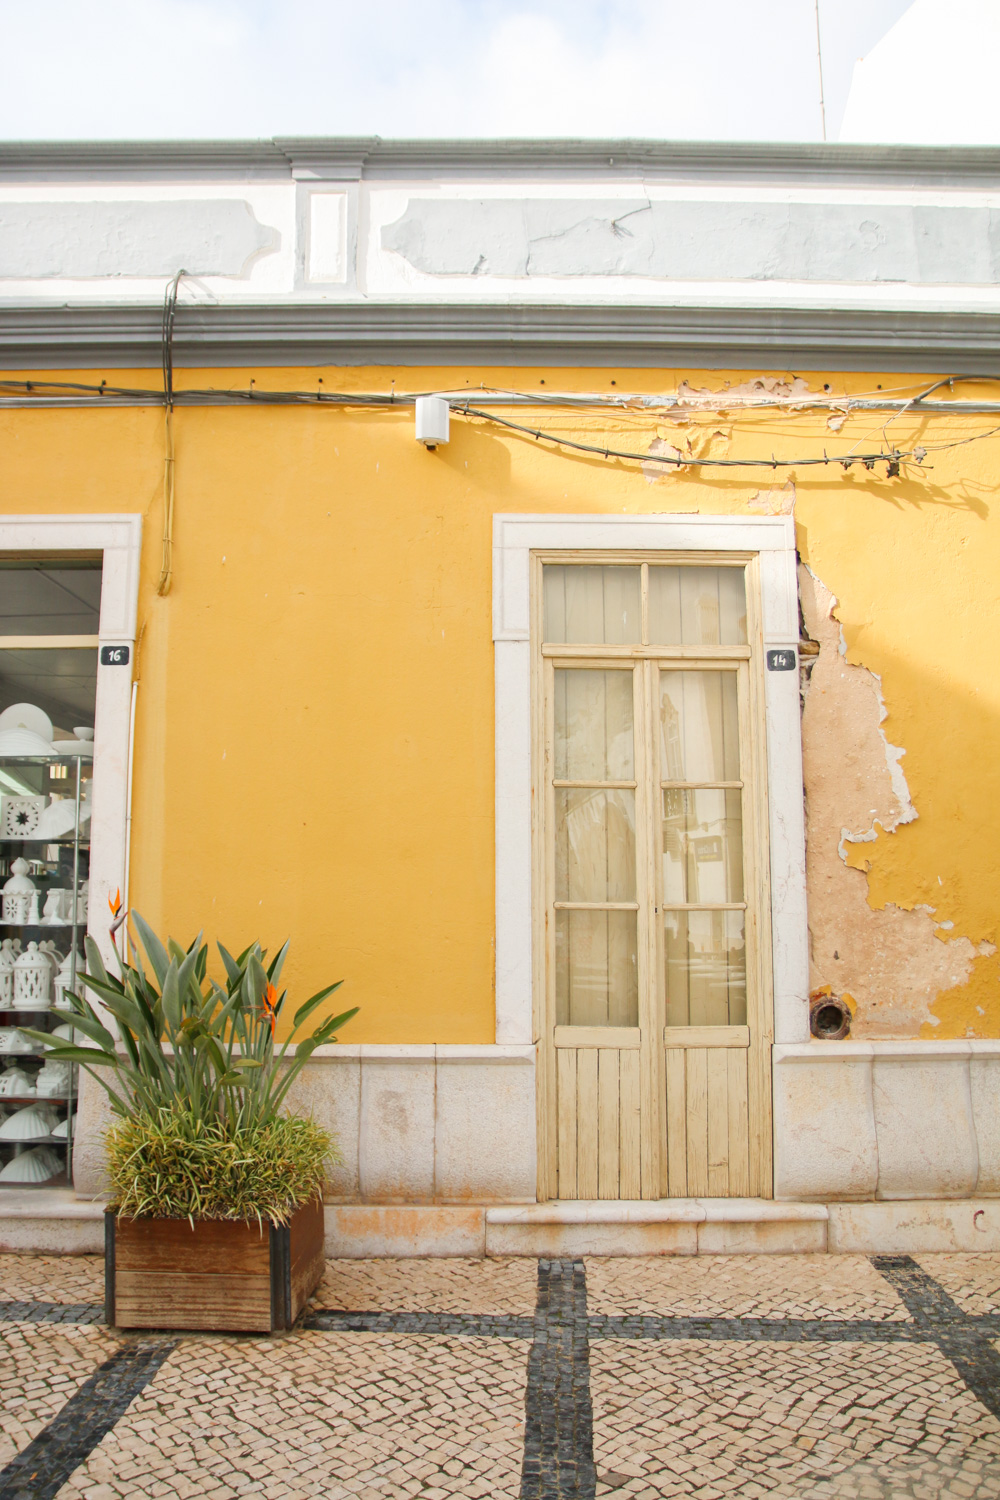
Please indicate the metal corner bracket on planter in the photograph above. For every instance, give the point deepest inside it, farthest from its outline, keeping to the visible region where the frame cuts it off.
(217, 1275)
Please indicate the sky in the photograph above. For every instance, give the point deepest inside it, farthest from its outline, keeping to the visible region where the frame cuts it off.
(681, 69)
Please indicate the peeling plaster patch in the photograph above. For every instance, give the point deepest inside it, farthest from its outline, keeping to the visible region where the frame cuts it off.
(836, 420)
(777, 501)
(697, 442)
(692, 399)
(653, 472)
(894, 962)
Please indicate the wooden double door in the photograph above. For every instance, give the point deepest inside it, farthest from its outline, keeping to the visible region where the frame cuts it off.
(652, 838)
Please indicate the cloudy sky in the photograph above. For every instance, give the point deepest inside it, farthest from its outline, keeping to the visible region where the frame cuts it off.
(696, 69)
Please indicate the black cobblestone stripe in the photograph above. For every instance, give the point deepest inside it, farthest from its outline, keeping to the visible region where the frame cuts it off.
(40, 1471)
(460, 1325)
(960, 1338)
(51, 1312)
(761, 1330)
(559, 1420)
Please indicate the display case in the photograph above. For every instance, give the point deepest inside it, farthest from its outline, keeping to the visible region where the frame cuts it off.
(44, 875)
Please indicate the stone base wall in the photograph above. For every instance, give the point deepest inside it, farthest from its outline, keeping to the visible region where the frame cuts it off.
(886, 1120)
(853, 1122)
(433, 1124)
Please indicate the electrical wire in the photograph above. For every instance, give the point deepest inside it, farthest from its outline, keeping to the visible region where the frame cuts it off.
(167, 342)
(83, 394)
(38, 393)
(892, 459)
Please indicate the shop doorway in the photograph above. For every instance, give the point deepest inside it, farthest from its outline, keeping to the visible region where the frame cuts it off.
(652, 832)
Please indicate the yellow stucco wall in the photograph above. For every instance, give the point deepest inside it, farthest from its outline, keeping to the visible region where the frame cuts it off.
(314, 738)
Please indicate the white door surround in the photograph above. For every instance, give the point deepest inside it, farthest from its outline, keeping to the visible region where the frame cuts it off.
(515, 538)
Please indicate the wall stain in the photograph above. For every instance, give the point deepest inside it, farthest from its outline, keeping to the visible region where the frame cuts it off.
(907, 973)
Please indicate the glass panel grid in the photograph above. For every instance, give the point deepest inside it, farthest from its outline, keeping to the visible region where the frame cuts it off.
(592, 604)
(696, 717)
(594, 732)
(705, 968)
(697, 606)
(597, 968)
(702, 885)
(594, 834)
(699, 726)
(595, 845)
(660, 604)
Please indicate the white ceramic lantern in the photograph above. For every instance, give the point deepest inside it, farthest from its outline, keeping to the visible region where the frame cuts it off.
(53, 1080)
(32, 979)
(7, 956)
(64, 976)
(17, 893)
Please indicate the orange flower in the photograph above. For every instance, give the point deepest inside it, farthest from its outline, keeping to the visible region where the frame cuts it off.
(269, 1002)
(115, 903)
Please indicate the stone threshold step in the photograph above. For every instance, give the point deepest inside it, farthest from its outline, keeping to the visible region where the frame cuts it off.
(666, 1226)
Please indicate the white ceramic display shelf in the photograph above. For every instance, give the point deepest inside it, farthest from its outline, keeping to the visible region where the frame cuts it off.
(32, 769)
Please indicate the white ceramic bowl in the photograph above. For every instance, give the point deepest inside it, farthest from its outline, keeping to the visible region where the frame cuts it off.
(23, 742)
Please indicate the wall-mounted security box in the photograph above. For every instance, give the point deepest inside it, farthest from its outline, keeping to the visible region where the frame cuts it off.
(433, 415)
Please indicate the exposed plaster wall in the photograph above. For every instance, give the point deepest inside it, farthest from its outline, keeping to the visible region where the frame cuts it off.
(889, 964)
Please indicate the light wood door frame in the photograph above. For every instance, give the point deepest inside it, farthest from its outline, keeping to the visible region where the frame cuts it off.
(740, 1060)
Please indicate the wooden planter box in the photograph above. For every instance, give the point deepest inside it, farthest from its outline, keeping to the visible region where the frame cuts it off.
(223, 1276)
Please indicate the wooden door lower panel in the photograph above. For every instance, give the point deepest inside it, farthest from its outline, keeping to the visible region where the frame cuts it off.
(597, 1122)
(708, 1124)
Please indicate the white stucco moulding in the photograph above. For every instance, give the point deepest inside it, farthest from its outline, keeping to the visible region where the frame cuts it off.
(119, 540)
(515, 538)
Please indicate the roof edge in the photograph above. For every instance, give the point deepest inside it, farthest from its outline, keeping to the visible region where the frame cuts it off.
(371, 156)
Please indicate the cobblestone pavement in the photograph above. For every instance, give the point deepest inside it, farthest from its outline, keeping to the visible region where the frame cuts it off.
(786, 1377)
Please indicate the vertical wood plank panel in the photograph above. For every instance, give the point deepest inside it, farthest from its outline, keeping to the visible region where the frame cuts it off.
(566, 1128)
(739, 1166)
(676, 1123)
(586, 1122)
(607, 1123)
(630, 1114)
(718, 1122)
(697, 1121)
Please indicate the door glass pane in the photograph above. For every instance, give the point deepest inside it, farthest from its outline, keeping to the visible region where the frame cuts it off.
(702, 846)
(595, 845)
(699, 738)
(592, 606)
(597, 968)
(705, 963)
(697, 607)
(593, 726)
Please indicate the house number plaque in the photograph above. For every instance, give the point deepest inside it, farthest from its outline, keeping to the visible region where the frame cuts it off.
(781, 661)
(117, 656)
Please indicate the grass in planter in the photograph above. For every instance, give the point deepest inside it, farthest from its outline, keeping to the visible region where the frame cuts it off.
(175, 1165)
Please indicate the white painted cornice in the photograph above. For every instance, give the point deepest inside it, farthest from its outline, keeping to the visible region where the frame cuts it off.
(50, 335)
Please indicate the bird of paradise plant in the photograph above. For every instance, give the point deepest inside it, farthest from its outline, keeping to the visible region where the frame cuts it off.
(196, 1077)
